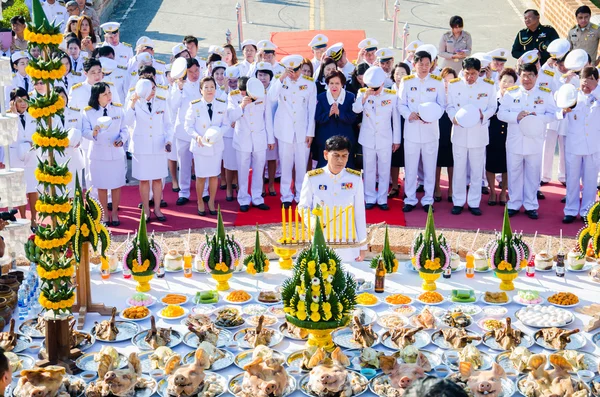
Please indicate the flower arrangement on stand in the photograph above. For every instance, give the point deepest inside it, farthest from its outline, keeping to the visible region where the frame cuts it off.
(220, 255)
(588, 237)
(142, 256)
(387, 256)
(430, 254)
(256, 262)
(507, 254)
(320, 295)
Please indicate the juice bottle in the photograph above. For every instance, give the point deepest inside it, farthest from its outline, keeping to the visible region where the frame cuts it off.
(104, 268)
(187, 264)
(380, 277)
(530, 271)
(470, 267)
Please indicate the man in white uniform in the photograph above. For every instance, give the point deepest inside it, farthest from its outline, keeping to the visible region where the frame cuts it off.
(421, 139)
(499, 58)
(266, 51)
(249, 50)
(524, 145)
(338, 54)
(191, 43)
(367, 51)
(112, 37)
(294, 124)
(472, 94)
(55, 12)
(318, 46)
(335, 185)
(379, 134)
(385, 59)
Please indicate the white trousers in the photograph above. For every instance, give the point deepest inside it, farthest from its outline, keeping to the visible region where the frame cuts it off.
(245, 160)
(523, 180)
(413, 152)
(377, 162)
(468, 166)
(584, 169)
(290, 155)
(548, 156)
(184, 158)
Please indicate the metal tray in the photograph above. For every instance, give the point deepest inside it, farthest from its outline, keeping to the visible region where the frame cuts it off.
(127, 330)
(138, 340)
(191, 339)
(218, 365)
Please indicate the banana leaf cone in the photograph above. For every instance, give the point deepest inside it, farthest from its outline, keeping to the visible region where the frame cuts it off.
(429, 235)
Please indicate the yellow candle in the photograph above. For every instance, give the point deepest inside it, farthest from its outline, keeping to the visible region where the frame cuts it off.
(296, 220)
(334, 224)
(341, 223)
(353, 225)
(327, 223)
(283, 222)
(308, 225)
(303, 220)
(347, 215)
(290, 222)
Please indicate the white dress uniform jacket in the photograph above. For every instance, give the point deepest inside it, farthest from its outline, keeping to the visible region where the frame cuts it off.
(322, 188)
(72, 120)
(56, 12)
(245, 67)
(18, 81)
(123, 53)
(21, 153)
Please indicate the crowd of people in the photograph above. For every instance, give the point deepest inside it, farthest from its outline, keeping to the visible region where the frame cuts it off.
(494, 128)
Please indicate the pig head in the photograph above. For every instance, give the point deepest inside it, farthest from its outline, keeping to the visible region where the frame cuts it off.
(484, 383)
(330, 376)
(40, 382)
(187, 379)
(265, 378)
(403, 375)
(121, 382)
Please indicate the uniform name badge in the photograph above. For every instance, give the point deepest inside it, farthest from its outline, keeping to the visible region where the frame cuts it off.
(431, 89)
(116, 117)
(322, 187)
(538, 101)
(347, 185)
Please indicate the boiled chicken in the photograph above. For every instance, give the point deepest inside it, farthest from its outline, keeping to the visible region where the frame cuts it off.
(107, 329)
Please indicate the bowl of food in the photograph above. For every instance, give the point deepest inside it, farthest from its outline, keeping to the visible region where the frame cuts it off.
(495, 311)
(135, 313)
(88, 376)
(238, 297)
(543, 261)
(398, 299)
(528, 297)
(563, 299)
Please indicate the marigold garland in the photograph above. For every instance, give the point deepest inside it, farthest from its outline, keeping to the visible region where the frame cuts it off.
(53, 179)
(45, 142)
(40, 38)
(53, 243)
(38, 74)
(137, 268)
(54, 274)
(47, 111)
(63, 304)
(52, 208)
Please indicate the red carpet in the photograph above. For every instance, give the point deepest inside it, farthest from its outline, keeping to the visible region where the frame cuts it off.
(296, 42)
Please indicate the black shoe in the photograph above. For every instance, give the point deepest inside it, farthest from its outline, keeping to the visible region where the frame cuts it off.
(234, 186)
(223, 187)
(263, 194)
(161, 218)
(421, 189)
(475, 211)
(230, 198)
(492, 203)
(286, 204)
(449, 199)
(176, 190)
(532, 214)
(212, 212)
(148, 217)
(569, 219)
(369, 206)
(201, 213)
(563, 200)
(272, 194)
(564, 184)
(408, 208)
(182, 201)
(109, 206)
(383, 207)
(129, 156)
(426, 208)
(542, 183)
(540, 195)
(115, 223)
(485, 190)
(437, 199)
(512, 213)
(456, 210)
(205, 198)
(262, 206)
(244, 208)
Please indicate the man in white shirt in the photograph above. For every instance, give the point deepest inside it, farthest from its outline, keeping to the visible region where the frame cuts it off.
(191, 44)
(55, 12)
(112, 38)
(318, 46)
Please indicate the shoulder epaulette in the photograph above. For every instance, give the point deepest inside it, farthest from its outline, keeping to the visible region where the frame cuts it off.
(514, 87)
(117, 105)
(133, 73)
(196, 100)
(363, 90)
(160, 72)
(77, 86)
(318, 171)
(282, 65)
(456, 80)
(308, 78)
(549, 72)
(435, 77)
(108, 82)
(545, 89)
(594, 26)
(164, 87)
(235, 92)
(277, 76)
(75, 73)
(132, 89)
(74, 109)
(412, 76)
(122, 67)
(354, 62)
(159, 61)
(490, 81)
(161, 97)
(353, 172)
(87, 108)
(389, 91)
(574, 27)
(220, 100)
(127, 44)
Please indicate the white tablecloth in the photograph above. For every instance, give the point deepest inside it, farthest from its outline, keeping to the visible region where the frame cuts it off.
(116, 290)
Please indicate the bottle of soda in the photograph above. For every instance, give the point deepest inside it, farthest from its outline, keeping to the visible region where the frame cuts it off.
(104, 268)
(530, 270)
(470, 267)
(447, 272)
(187, 264)
(161, 270)
(560, 263)
(380, 277)
(126, 272)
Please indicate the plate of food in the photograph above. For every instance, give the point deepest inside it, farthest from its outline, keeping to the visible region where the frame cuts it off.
(203, 329)
(462, 296)
(249, 338)
(479, 360)
(535, 379)
(426, 319)
(238, 297)
(229, 317)
(480, 261)
(174, 299)
(300, 358)
(18, 362)
(91, 361)
(430, 298)
(455, 338)
(488, 324)
(268, 320)
(135, 313)
(141, 299)
(357, 381)
(34, 328)
(113, 331)
(247, 356)
(219, 358)
(559, 339)
(214, 385)
(290, 331)
(392, 320)
(528, 298)
(205, 309)
(580, 360)
(152, 339)
(456, 319)
(365, 315)
(235, 385)
(277, 311)
(398, 299)
(269, 297)
(576, 262)
(209, 297)
(540, 316)
(400, 338)
(172, 312)
(516, 360)
(471, 310)
(495, 298)
(563, 299)
(494, 311)
(349, 339)
(255, 309)
(367, 299)
(507, 338)
(405, 310)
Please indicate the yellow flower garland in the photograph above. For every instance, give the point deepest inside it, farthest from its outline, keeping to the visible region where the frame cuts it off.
(63, 304)
(53, 243)
(47, 111)
(44, 141)
(136, 268)
(45, 74)
(222, 267)
(40, 38)
(55, 180)
(54, 274)
(52, 208)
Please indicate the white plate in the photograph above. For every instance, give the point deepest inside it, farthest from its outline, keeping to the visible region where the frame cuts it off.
(577, 342)
(173, 271)
(269, 320)
(487, 360)
(562, 306)
(482, 300)
(483, 327)
(431, 304)
(373, 305)
(494, 311)
(547, 270)
(238, 303)
(422, 339)
(185, 313)
(206, 309)
(343, 337)
(398, 304)
(437, 322)
(218, 365)
(154, 300)
(274, 311)
(187, 299)
(255, 309)
(519, 314)
(467, 308)
(382, 317)
(489, 269)
(518, 301)
(370, 315)
(135, 319)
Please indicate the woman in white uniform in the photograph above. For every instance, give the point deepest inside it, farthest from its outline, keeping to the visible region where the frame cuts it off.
(150, 142)
(19, 61)
(264, 73)
(203, 114)
(106, 154)
(21, 154)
